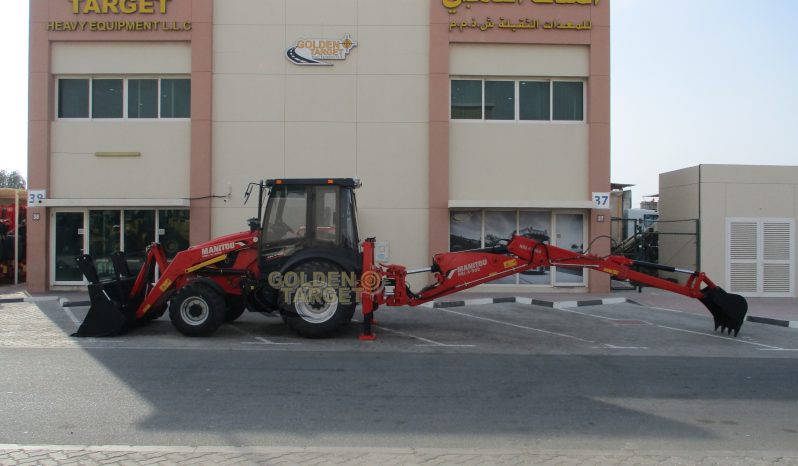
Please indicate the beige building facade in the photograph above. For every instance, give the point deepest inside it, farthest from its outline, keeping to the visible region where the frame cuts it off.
(465, 122)
(746, 216)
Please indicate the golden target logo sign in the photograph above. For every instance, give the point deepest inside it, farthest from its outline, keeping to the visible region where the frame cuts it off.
(313, 51)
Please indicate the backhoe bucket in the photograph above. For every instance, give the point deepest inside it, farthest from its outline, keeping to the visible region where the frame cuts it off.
(728, 309)
(112, 312)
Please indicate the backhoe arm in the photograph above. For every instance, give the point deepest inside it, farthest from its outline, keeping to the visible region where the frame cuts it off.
(386, 284)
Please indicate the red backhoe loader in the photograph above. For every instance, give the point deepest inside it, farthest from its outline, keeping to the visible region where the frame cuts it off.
(303, 259)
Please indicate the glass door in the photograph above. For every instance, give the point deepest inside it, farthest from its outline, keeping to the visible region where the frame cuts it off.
(139, 234)
(570, 235)
(68, 243)
(104, 240)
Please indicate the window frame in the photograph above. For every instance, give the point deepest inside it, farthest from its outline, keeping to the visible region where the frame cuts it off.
(517, 98)
(125, 96)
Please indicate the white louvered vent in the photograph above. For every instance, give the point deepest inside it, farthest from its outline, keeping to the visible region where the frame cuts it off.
(776, 278)
(761, 257)
(744, 240)
(744, 278)
(777, 241)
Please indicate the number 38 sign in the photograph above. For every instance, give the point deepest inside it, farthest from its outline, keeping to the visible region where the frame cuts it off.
(601, 200)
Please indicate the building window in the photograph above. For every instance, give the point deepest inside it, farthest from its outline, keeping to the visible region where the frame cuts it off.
(466, 99)
(119, 98)
(534, 102)
(142, 98)
(175, 98)
(568, 101)
(522, 100)
(499, 100)
(106, 98)
(478, 228)
(73, 98)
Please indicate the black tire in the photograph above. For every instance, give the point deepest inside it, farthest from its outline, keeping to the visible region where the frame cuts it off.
(197, 310)
(235, 307)
(322, 314)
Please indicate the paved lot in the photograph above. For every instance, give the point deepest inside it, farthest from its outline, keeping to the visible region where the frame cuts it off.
(508, 383)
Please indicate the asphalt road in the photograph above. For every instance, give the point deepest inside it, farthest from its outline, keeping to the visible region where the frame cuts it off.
(498, 376)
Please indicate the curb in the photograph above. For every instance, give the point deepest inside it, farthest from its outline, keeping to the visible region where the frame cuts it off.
(531, 301)
(66, 303)
(28, 299)
(769, 321)
(582, 303)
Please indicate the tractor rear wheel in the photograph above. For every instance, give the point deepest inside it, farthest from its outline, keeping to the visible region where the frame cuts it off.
(320, 303)
(197, 310)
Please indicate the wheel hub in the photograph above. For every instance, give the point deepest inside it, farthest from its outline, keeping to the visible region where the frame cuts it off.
(194, 311)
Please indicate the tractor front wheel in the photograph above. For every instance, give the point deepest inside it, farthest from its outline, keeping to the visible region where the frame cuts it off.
(197, 310)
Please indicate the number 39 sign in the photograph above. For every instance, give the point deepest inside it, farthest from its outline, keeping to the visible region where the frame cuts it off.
(601, 200)
(36, 197)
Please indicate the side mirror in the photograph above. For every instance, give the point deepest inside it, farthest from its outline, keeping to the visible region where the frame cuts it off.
(254, 224)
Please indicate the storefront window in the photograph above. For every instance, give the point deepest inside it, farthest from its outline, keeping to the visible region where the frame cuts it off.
(465, 230)
(499, 100)
(535, 225)
(473, 229)
(106, 95)
(175, 98)
(142, 101)
(104, 240)
(73, 98)
(570, 236)
(139, 234)
(173, 231)
(467, 99)
(499, 229)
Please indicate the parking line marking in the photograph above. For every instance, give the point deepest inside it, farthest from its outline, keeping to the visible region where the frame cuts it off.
(71, 315)
(738, 340)
(609, 346)
(777, 349)
(425, 340)
(516, 325)
(261, 340)
(586, 314)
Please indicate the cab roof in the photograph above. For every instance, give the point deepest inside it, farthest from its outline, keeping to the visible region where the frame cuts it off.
(344, 182)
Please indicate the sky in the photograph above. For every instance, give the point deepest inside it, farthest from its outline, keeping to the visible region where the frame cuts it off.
(693, 82)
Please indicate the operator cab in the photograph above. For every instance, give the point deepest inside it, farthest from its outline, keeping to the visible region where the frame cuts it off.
(308, 220)
(311, 213)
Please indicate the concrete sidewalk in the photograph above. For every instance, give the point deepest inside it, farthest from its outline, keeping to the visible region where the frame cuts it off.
(775, 311)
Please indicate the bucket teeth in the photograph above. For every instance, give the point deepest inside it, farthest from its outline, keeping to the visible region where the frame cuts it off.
(728, 310)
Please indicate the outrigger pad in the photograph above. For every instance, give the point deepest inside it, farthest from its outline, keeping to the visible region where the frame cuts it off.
(728, 309)
(110, 313)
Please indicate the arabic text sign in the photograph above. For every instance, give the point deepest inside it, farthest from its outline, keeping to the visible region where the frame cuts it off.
(521, 24)
(452, 5)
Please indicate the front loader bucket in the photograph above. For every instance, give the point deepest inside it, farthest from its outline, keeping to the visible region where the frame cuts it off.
(112, 312)
(728, 309)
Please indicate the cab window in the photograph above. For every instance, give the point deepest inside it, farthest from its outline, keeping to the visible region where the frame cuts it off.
(286, 215)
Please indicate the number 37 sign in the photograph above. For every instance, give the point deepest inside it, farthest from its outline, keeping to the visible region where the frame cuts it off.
(601, 200)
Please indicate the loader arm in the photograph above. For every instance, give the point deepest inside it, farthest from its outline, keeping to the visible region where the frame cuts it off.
(127, 301)
(386, 284)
